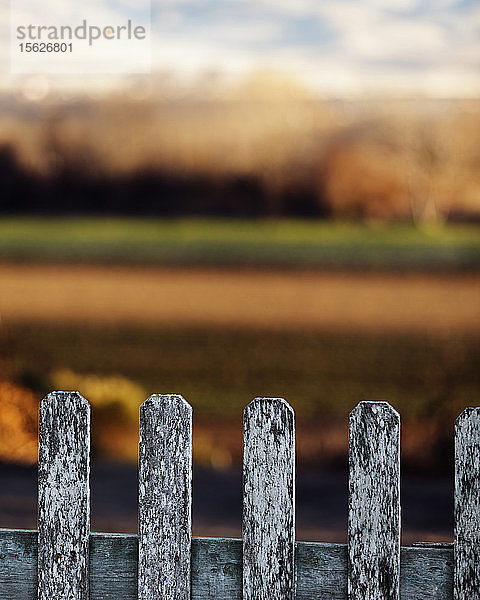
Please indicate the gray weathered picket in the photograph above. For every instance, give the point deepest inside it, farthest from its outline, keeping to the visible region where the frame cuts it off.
(63, 497)
(165, 497)
(467, 505)
(374, 503)
(66, 562)
(268, 500)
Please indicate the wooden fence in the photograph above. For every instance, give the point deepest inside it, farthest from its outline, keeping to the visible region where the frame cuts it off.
(64, 561)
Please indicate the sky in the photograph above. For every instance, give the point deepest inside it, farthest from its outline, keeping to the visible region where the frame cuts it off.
(339, 47)
(335, 45)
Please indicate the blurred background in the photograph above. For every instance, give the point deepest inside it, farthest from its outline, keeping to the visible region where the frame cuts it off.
(287, 206)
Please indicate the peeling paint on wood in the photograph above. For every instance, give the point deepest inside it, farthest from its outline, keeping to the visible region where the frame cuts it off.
(374, 503)
(467, 506)
(269, 500)
(63, 497)
(426, 573)
(165, 482)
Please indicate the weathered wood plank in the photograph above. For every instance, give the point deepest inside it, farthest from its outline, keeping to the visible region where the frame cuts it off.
(18, 564)
(426, 573)
(467, 505)
(113, 566)
(268, 500)
(165, 491)
(216, 569)
(374, 503)
(63, 497)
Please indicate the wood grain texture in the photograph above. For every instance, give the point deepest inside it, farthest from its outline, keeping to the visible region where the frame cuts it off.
(467, 505)
(165, 491)
(374, 503)
(268, 500)
(426, 573)
(113, 566)
(18, 564)
(63, 497)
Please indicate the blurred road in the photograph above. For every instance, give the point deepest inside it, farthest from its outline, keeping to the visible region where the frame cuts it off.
(427, 503)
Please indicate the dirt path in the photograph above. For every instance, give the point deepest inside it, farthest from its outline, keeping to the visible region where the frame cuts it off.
(346, 301)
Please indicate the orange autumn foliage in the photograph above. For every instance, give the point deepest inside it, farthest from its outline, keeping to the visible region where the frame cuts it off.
(18, 424)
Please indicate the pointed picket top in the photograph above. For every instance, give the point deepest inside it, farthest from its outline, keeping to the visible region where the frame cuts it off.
(374, 502)
(270, 407)
(165, 401)
(467, 505)
(165, 498)
(468, 420)
(377, 410)
(269, 500)
(60, 401)
(63, 497)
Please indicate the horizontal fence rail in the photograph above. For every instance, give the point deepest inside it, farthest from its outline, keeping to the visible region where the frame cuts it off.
(63, 560)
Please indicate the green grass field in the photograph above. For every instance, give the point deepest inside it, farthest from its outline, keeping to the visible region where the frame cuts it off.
(282, 243)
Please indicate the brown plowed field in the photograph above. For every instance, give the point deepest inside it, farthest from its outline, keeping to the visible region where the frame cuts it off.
(350, 301)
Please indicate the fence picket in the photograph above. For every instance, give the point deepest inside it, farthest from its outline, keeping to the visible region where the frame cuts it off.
(63, 497)
(165, 480)
(374, 503)
(161, 562)
(268, 500)
(467, 506)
